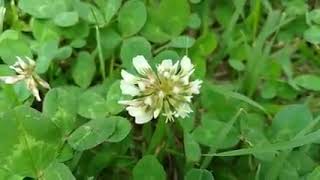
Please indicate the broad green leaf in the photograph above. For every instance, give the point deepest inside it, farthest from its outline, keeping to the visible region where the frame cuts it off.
(109, 8)
(61, 106)
(83, 69)
(132, 17)
(290, 120)
(58, 171)
(80, 30)
(46, 53)
(165, 20)
(182, 42)
(92, 133)
(5, 175)
(205, 44)
(66, 19)
(211, 131)
(122, 129)
(9, 49)
(149, 168)
(92, 105)
(236, 64)
(132, 47)
(63, 53)
(312, 35)
(43, 8)
(308, 81)
(110, 40)
(194, 21)
(199, 174)
(314, 175)
(29, 142)
(191, 148)
(88, 12)
(113, 97)
(44, 30)
(314, 16)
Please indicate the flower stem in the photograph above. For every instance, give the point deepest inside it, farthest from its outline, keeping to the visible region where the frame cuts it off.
(157, 136)
(101, 60)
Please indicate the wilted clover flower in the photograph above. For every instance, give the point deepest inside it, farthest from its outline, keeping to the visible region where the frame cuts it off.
(168, 91)
(26, 71)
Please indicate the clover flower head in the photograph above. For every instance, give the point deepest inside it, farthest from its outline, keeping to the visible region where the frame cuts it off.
(25, 70)
(167, 92)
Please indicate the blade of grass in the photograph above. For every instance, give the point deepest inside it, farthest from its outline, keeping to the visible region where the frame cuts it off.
(298, 141)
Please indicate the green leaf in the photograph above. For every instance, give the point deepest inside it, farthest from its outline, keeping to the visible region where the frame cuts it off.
(291, 120)
(109, 8)
(88, 12)
(44, 30)
(92, 133)
(191, 148)
(43, 8)
(314, 175)
(92, 105)
(132, 17)
(66, 19)
(166, 20)
(199, 174)
(132, 47)
(205, 44)
(61, 106)
(58, 171)
(312, 35)
(308, 81)
(29, 142)
(113, 97)
(154, 169)
(110, 40)
(314, 16)
(46, 53)
(5, 175)
(182, 42)
(122, 129)
(83, 69)
(9, 49)
(194, 21)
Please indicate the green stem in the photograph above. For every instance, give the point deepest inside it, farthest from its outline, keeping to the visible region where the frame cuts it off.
(157, 136)
(101, 60)
(207, 160)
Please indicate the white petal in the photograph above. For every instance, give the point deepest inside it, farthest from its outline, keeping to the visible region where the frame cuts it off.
(144, 118)
(164, 66)
(136, 110)
(129, 77)
(183, 110)
(32, 86)
(141, 65)
(21, 63)
(12, 79)
(129, 89)
(195, 86)
(31, 62)
(133, 102)
(186, 65)
(148, 100)
(42, 82)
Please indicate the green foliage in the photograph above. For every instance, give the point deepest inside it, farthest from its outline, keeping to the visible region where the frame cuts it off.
(256, 117)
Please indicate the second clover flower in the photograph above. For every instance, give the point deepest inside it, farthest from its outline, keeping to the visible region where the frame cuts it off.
(167, 92)
(25, 70)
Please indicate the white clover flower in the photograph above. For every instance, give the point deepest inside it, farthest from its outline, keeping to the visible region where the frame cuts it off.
(167, 92)
(26, 72)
